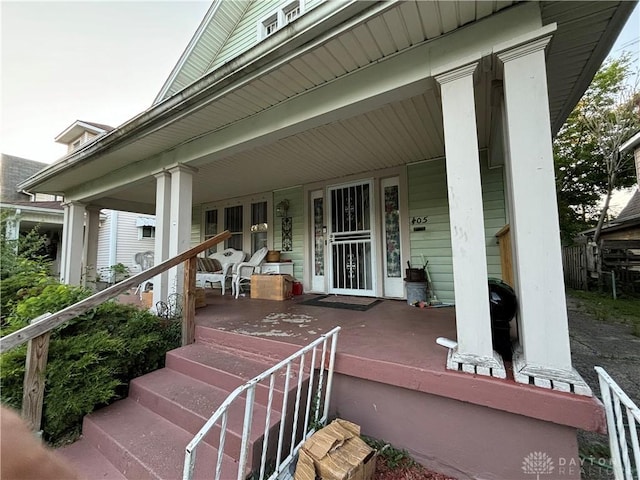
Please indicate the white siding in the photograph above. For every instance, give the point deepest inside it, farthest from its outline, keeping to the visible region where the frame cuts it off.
(428, 198)
(127, 240)
(245, 35)
(103, 242)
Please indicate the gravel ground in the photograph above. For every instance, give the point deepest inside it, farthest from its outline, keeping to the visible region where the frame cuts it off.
(612, 347)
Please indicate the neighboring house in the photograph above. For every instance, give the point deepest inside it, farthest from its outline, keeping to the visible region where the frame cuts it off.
(621, 236)
(81, 132)
(27, 211)
(121, 234)
(396, 132)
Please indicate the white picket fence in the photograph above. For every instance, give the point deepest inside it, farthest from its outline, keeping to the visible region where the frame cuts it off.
(312, 412)
(623, 417)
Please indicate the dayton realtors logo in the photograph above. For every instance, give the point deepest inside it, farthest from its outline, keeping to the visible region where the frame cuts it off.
(537, 463)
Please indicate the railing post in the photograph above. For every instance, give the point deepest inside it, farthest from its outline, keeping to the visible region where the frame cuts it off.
(189, 307)
(34, 378)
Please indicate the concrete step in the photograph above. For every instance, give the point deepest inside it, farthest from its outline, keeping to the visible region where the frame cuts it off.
(224, 368)
(143, 445)
(274, 350)
(90, 461)
(189, 403)
(145, 435)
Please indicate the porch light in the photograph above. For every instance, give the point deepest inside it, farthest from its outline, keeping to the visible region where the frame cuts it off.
(282, 208)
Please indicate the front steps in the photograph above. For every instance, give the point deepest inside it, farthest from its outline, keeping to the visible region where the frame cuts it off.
(145, 435)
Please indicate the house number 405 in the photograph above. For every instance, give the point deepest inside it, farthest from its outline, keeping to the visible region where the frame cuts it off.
(419, 220)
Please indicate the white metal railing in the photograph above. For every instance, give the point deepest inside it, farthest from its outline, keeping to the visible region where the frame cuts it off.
(619, 426)
(317, 404)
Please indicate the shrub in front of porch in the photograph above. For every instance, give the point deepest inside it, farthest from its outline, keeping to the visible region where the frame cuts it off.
(92, 358)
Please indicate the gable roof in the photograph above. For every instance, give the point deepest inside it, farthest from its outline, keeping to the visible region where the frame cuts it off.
(213, 32)
(78, 127)
(631, 209)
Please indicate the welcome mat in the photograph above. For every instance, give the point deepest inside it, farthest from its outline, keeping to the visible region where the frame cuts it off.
(360, 304)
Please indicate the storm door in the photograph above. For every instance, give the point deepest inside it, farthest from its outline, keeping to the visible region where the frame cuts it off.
(350, 233)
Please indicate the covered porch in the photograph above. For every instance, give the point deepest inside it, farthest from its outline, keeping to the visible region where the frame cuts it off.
(389, 368)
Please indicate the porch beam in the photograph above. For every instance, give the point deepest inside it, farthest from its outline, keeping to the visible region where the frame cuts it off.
(474, 350)
(179, 221)
(161, 245)
(73, 234)
(544, 353)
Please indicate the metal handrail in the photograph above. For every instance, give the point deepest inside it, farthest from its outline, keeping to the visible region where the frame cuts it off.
(614, 399)
(313, 402)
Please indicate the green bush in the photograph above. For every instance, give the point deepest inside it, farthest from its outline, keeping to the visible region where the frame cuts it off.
(91, 358)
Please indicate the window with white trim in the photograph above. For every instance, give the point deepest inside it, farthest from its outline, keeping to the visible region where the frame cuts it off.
(283, 15)
(246, 218)
(146, 232)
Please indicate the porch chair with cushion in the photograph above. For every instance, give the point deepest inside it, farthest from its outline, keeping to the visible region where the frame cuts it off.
(244, 270)
(218, 268)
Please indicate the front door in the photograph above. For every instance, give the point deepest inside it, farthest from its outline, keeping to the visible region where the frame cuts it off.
(350, 248)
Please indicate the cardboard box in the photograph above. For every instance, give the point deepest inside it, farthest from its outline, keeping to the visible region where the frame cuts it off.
(336, 452)
(147, 298)
(271, 286)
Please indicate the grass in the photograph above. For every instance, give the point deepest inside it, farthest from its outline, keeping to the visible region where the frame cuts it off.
(604, 308)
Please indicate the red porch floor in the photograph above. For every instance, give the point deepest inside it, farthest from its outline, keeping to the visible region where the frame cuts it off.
(394, 343)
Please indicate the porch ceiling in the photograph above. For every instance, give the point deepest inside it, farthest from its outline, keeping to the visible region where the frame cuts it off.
(406, 129)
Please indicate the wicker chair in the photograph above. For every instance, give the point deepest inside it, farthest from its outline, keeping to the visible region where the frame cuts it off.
(218, 268)
(244, 270)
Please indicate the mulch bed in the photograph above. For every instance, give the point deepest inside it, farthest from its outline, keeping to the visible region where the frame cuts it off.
(413, 471)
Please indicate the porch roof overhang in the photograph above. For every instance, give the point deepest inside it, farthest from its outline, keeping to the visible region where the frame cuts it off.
(343, 91)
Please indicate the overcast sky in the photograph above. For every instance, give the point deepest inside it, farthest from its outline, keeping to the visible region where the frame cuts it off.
(101, 62)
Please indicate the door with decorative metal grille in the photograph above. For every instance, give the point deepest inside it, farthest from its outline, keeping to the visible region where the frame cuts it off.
(351, 256)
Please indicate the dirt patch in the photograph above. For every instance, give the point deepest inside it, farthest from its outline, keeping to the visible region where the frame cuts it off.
(406, 471)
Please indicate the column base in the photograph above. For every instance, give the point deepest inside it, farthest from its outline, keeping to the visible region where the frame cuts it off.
(476, 364)
(555, 379)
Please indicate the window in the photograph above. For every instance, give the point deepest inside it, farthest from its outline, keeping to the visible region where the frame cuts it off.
(76, 144)
(210, 227)
(233, 223)
(270, 25)
(291, 12)
(259, 226)
(284, 15)
(246, 218)
(147, 232)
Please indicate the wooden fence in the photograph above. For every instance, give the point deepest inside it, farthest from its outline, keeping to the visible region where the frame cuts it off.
(574, 263)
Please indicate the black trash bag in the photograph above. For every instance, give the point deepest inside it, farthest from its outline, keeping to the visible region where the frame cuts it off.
(502, 306)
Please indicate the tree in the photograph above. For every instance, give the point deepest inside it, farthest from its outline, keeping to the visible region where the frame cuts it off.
(589, 165)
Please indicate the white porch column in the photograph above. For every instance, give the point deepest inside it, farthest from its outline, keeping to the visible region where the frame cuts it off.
(473, 322)
(71, 268)
(90, 247)
(163, 221)
(544, 352)
(180, 221)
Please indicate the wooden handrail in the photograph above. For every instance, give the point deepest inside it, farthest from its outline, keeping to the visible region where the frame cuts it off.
(52, 321)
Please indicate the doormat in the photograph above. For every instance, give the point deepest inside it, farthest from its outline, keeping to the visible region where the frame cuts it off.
(360, 304)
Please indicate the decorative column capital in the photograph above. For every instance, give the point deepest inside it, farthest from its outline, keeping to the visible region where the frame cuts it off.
(180, 167)
(524, 50)
(162, 174)
(456, 74)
